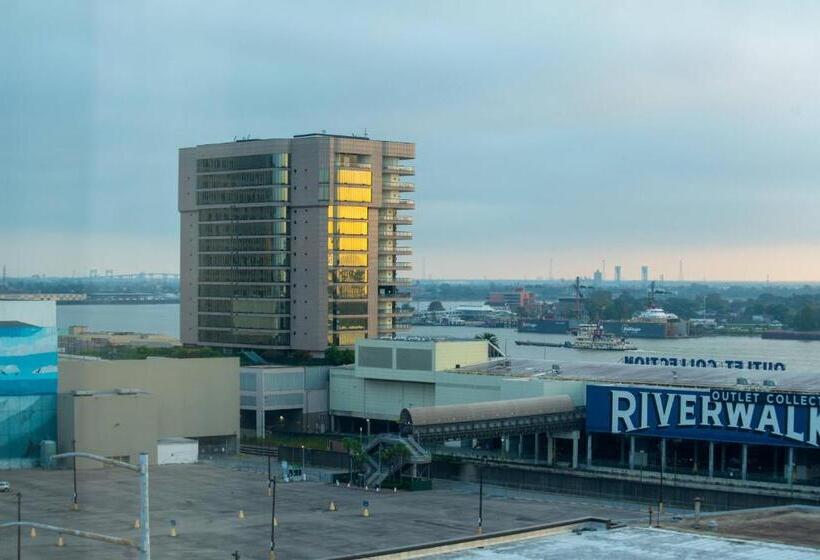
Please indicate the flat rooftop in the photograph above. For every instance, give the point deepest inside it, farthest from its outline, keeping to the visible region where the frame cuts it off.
(634, 543)
(204, 500)
(647, 375)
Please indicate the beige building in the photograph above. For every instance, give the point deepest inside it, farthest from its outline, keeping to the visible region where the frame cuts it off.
(293, 243)
(119, 408)
(79, 340)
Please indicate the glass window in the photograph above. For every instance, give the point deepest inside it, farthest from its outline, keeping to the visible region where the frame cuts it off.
(347, 228)
(350, 291)
(347, 244)
(353, 177)
(249, 245)
(347, 212)
(353, 194)
(261, 161)
(347, 275)
(243, 179)
(239, 196)
(350, 259)
(247, 292)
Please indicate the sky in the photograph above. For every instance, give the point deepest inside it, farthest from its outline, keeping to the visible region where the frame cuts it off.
(577, 132)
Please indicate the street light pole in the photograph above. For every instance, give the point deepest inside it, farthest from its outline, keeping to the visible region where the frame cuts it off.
(19, 519)
(480, 497)
(272, 554)
(75, 505)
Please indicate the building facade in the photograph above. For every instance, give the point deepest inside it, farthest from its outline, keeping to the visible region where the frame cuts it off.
(293, 243)
(120, 408)
(28, 380)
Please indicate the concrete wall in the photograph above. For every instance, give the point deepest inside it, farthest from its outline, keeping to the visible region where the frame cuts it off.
(194, 397)
(120, 426)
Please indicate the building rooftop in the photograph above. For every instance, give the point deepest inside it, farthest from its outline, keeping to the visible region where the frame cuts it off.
(648, 375)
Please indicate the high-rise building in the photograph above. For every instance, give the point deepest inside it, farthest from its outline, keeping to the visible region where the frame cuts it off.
(644, 274)
(617, 274)
(597, 277)
(293, 243)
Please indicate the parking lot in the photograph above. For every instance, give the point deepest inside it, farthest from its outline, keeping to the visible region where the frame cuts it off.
(205, 500)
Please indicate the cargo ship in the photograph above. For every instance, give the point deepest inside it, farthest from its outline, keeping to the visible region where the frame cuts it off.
(653, 322)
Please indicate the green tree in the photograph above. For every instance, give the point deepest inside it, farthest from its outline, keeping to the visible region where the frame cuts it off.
(435, 306)
(336, 356)
(493, 343)
(806, 319)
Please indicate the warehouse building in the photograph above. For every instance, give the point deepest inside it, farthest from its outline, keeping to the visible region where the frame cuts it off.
(164, 406)
(710, 424)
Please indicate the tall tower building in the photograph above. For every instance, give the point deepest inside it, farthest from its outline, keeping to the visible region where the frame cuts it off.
(617, 274)
(293, 243)
(644, 274)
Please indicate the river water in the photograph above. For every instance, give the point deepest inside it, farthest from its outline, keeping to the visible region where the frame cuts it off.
(797, 355)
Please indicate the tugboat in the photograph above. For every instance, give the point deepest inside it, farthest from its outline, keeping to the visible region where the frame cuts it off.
(593, 337)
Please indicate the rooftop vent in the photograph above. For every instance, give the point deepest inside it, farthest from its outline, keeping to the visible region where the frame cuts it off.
(742, 381)
(769, 383)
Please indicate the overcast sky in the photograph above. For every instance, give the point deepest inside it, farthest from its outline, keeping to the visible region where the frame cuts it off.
(636, 132)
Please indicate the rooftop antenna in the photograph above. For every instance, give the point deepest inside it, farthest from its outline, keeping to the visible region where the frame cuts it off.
(365, 132)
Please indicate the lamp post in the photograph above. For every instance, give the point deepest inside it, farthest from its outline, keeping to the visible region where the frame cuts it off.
(272, 554)
(19, 519)
(75, 506)
(481, 496)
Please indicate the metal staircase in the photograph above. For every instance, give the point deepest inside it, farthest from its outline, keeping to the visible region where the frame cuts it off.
(376, 470)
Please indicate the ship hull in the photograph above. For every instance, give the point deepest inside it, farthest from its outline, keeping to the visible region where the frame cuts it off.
(646, 329)
(547, 326)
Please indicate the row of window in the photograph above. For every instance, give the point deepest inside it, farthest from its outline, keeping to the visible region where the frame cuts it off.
(347, 275)
(347, 212)
(349, 259)
(347, 308)
(350, 324)
(354, 177)
(256, 322)
(347, 244)
(245, 260)
(347, 228)
(251, 276)
(258, 245)
(281, 291)
(249, 339)
(270, 307)
(243, 213)
(347, 291)
(345, 338)
(279, 227)
(353, 194)
(237, 163)
(242, 196)
(243, 179)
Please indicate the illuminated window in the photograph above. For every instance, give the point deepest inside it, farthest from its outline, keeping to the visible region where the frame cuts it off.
(347, 244)
(350, 259)
(350, 291)
(353, 194)
(353, 177)
(348, 338)
(347, 212)
(347, 228)
(349, 275)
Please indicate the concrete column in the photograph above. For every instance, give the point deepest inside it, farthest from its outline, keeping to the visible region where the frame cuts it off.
(260, 422)
(521, 447)
(631, 452)
(575, 437)
(536, 446)
(744, 460)
(789, 467)
(332, 423)
(711, 459)
(506, 440)
(623, 451)
(589, 450)
(723, 457)
(663, 454)
(550, 450)
(695, 465)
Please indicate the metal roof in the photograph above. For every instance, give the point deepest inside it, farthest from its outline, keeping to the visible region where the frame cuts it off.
(491, 410)
(647, 375)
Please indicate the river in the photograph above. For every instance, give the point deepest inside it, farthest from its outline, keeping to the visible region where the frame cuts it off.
(797, 355)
